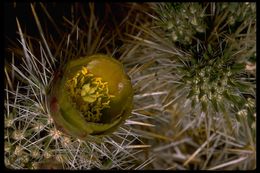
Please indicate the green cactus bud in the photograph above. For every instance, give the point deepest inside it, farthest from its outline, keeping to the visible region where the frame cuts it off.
(92, 96)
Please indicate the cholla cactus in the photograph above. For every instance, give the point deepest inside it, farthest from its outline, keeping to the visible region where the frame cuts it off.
(210, 80)
(39, 126)
(192, 70)
(188, 21)
(236, 12)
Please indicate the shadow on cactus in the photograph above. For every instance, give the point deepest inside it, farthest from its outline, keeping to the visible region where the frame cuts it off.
(91, 96)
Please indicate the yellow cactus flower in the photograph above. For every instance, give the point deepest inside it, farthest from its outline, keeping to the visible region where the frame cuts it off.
(93, 96)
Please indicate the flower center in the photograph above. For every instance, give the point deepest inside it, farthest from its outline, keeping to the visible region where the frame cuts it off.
(89, 94)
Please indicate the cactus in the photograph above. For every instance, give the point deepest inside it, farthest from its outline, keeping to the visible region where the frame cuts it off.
(210, 49)
(43, 104)
(191, 91)
(182, 27)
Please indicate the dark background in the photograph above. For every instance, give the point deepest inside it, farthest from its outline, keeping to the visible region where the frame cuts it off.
(22, 11)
